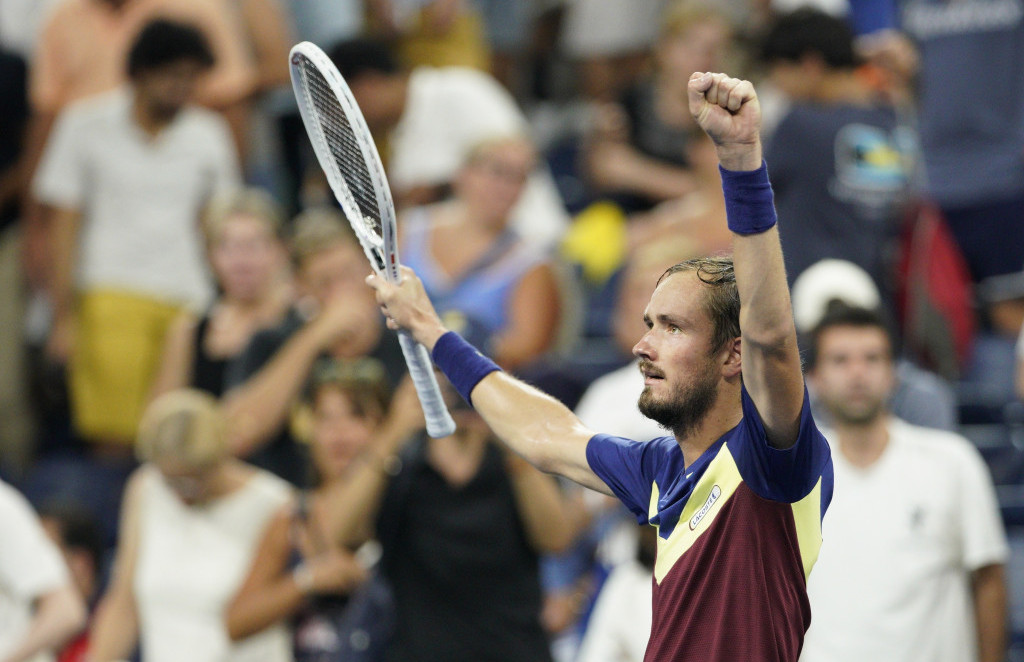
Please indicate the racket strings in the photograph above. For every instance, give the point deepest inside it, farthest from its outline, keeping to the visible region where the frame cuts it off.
(344, 149)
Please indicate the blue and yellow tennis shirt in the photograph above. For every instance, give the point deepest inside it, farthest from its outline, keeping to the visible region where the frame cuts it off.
(738, 533)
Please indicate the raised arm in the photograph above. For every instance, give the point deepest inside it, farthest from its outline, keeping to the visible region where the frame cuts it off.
(534, 425)
(728, 110)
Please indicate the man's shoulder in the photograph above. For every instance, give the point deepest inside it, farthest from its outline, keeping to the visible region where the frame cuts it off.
(940, 444)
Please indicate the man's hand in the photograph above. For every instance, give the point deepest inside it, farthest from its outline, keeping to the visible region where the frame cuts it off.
(727, 110)
(406, 306)
(342, 318)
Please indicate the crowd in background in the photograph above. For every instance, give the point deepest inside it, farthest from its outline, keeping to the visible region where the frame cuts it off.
(200, 399)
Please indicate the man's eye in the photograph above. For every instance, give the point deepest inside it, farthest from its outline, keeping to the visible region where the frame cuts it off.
(672, 328)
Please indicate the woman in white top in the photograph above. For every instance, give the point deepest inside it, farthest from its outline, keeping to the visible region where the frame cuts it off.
(191, 519)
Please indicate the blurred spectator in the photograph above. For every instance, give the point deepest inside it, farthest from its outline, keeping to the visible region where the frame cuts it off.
(621, 621)
(610, 40)
(462, 518)
(16, 432)
(299, 572)
(918, 397)
(430, 118)
(912, 564)
(126, 173)
(637, 150)
(85, 43)
(40, 608)
(840, 159)
(432, 33)
(337, 320)
(78, 536)
(191, 520)
(472, 263)
(698, 216)
(972, 151)
(249, 262)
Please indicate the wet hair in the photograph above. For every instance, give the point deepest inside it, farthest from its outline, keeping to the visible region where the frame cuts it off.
(840, 314)
(810, 31)
(185, 425)
(364, 55)
(721, 298)
(163, 42)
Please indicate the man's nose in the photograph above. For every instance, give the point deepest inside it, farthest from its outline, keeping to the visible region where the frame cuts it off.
(642, 349)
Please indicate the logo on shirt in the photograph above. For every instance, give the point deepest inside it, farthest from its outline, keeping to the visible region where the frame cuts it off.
(716, 492)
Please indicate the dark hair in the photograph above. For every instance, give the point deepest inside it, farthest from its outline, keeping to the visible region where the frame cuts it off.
(162, 42)
(721, 298)
(78, 528)
(840, 314)
(363, 380)
(356, 57)
(810, 31)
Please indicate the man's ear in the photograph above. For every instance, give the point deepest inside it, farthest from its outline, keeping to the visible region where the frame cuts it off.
(733, 359)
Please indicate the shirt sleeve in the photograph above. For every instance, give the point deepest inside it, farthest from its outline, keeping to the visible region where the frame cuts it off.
(627, 467)
(30, 564)
(786, 475)
(61, 178)
(226, 171)
(984, 539)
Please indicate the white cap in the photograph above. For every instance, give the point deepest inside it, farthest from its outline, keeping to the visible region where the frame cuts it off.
(826, 281)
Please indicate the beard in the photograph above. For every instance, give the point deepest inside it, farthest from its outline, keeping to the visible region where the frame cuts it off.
(686, 406)
(845, 413)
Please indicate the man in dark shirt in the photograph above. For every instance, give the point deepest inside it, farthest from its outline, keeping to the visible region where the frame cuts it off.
(840, 159)
(738, 491)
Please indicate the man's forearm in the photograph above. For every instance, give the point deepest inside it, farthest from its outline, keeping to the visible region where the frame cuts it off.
(990, 612)
(59, 615)
(260, 406)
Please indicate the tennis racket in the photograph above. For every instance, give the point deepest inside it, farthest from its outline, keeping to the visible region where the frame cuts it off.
(346, 152)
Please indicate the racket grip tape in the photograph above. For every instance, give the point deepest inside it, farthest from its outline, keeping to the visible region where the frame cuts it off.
(439, 421)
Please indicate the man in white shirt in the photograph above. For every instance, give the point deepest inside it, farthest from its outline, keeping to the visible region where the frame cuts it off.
(912, 563)
(430, 118)
(128, 173)
(39, 606)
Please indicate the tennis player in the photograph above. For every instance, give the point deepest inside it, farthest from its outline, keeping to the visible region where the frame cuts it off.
(738, 491)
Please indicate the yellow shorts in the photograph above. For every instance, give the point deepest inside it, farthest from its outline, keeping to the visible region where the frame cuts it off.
(119, 342)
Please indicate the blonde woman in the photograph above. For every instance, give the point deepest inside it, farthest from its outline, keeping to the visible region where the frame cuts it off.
(192, 517)
(474, 264)
(249, 261)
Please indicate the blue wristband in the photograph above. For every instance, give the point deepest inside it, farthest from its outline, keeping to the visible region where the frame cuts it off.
(461, 363)
(749, 201)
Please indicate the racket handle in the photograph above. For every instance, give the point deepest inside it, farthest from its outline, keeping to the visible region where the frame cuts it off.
(439, 421)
